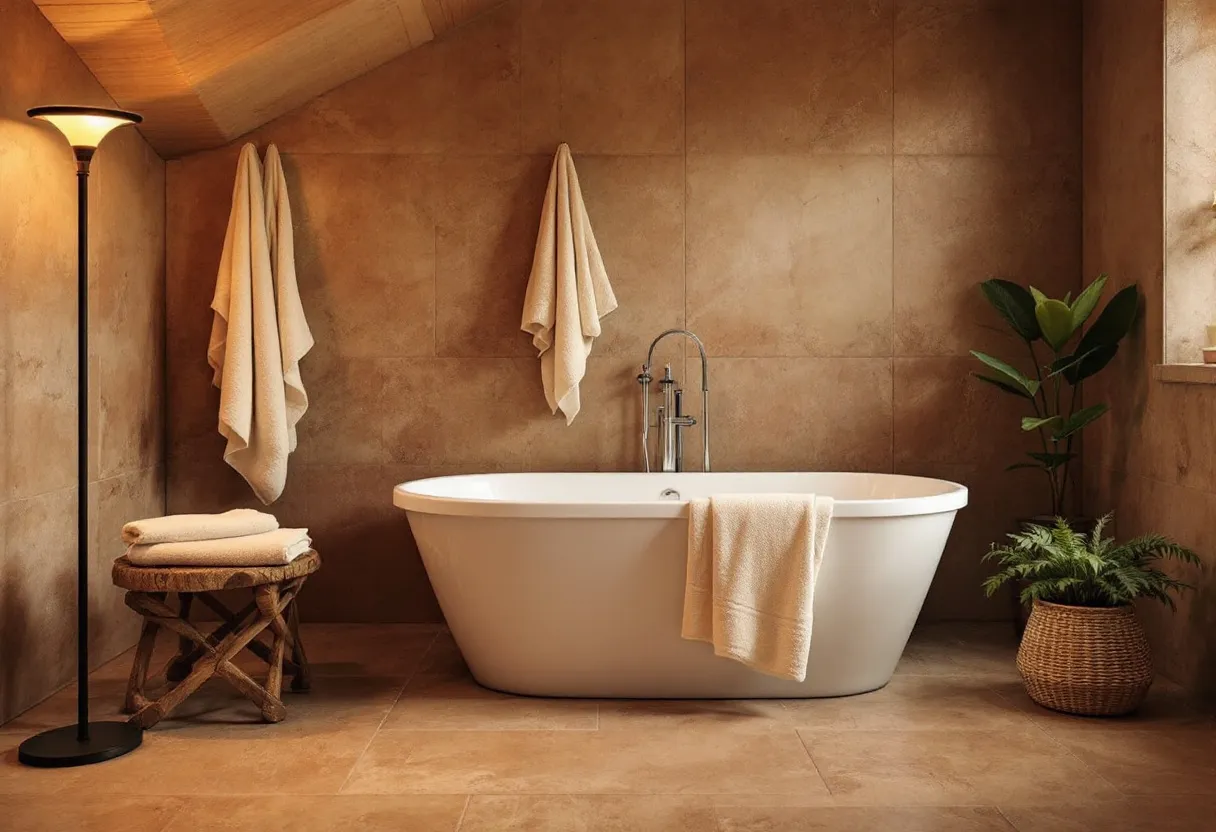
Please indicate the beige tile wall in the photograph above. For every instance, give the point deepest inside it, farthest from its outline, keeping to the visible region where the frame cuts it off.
(37, 362)
(814, 186)
(1154, 461)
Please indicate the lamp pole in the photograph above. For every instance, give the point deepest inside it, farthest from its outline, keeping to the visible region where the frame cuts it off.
(85, 742)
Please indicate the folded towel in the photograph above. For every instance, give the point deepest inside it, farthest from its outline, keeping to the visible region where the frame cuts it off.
(256, 343)
(568, 289)
(752, 562)
(266, 549)
(177, 528)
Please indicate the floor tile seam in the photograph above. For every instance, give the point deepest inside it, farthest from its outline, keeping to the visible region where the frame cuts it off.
(1059, 743)
(464, 810)
(814, 765)
(372, 738)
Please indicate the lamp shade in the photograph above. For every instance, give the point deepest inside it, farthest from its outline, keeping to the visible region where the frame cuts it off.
(84, 127)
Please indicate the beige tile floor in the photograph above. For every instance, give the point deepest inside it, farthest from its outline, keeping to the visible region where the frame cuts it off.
(396, 736)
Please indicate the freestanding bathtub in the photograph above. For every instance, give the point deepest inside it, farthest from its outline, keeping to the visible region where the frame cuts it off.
(572, 584)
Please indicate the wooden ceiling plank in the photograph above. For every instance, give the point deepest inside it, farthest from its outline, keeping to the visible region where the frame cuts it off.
(417, 24)
(298, 65)
(123, 46)
(203, 72)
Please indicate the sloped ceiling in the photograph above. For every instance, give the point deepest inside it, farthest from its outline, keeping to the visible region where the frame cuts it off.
(203, 72)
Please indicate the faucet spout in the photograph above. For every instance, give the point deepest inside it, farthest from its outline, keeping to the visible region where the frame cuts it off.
(671, 420)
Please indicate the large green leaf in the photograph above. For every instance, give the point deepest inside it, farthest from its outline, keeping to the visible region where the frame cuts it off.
(1078, 420)
(1015, 305)
(1114, 322)
(1087, 301)
(1008, 373)
(1055, 321)
(1038, 296)
(1090, 363)
(1004, 385)
(1034, 423)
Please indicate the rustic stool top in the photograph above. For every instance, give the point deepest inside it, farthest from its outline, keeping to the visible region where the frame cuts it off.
(209, 578)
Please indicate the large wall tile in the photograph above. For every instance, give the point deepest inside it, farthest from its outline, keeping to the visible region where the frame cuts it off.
(790, 255)
(487, 213)
(782, 76)
(943, 415)
(800, 414)
(113, 626)
(360, 533)
(963, 219)
(636, 205)
(622, 84)
(128, 267)
(198, 200)
(39, 305)
(1182, 639)
(38, 590)
(987, 76)
(457, 94)
(996, 501)
(491, 412)
(345, 414)
(365, 256)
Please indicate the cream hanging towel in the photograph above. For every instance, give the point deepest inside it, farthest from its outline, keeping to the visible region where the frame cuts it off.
(255, 349)
(568, 289)
(295, 338)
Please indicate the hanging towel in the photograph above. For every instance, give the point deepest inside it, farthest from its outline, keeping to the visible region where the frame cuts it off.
(247, 339)
(568, 290)
(295, 338)
(177, 528)
(267, 549)
(752, 562)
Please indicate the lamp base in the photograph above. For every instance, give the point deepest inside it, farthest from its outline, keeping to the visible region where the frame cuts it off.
(60, 747)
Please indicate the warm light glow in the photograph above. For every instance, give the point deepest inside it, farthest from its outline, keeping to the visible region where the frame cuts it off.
(84, 127)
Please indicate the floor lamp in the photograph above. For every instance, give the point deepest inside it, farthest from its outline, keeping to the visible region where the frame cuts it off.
(85, 742)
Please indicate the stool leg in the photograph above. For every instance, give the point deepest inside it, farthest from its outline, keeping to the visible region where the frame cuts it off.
(181, 665)
(268, 605)
(139, 668)
(301, 682)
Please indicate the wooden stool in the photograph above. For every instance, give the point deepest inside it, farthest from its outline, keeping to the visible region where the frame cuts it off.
(203, 655)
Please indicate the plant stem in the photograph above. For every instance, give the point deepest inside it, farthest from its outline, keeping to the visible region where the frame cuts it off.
(1046, 411)
(1072, 408)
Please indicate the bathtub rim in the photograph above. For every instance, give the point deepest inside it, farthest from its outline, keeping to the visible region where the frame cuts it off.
(408, 497)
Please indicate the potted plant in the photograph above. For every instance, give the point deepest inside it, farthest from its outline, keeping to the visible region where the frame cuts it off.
(1063, 353)
(1084, 651)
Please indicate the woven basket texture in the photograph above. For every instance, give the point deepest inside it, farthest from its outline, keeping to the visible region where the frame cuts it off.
(1093, 661)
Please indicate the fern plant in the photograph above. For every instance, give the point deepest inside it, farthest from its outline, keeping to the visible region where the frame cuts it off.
(1062, 566)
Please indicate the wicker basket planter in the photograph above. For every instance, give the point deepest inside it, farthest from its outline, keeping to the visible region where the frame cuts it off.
(1093, 661)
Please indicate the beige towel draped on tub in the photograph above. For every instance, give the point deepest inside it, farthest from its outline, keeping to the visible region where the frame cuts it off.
(568, 289)
(259, 332)
(752, 562)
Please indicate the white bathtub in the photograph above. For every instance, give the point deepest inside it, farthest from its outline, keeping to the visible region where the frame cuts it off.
(572, 584)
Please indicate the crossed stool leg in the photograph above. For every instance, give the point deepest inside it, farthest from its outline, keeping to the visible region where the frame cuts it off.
(203, 655)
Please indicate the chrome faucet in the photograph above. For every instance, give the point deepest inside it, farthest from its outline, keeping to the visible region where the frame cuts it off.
(669, 416)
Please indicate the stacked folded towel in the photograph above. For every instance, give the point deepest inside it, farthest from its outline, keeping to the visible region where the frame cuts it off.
(241, 537)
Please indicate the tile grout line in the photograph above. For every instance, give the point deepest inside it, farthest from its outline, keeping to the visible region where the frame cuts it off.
(468, 799)
(814, 765)
(383, 719)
